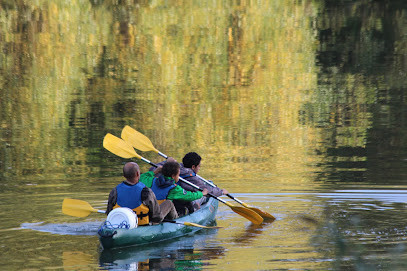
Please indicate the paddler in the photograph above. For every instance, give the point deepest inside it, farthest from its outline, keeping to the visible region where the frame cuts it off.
(191, 164)
(165, 185)
(133, 194)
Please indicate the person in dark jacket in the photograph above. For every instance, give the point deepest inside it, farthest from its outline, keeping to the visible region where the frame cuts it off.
(135, 195)
(190, 166)
(165, 186)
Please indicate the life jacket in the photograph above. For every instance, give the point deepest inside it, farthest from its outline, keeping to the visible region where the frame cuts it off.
(161, 187)
(130, 196)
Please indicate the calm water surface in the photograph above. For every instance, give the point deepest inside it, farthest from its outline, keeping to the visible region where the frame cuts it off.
(297, 107)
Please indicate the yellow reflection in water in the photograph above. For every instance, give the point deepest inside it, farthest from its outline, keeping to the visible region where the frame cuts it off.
(225, 79)
(77, 260)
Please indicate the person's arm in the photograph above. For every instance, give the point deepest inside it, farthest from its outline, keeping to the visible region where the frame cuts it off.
(159, 164)
(169, 159)
(148, 198)
(216, 191)
(111, 202)
(186, 186)
(147, 178)
(179, 193)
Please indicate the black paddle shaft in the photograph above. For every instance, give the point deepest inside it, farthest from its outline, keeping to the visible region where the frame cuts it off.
(185, 181)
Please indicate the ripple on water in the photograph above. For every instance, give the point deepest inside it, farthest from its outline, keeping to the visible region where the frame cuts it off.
(83, 228)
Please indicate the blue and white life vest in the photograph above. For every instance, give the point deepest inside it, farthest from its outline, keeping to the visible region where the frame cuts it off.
(130, 196)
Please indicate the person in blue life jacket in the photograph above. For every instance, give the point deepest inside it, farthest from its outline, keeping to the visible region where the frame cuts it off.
(166, 185)
(133, 194)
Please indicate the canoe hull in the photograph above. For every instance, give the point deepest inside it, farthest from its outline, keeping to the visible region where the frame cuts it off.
(114, 238)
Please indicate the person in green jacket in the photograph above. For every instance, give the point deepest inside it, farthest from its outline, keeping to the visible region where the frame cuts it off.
(165, 185)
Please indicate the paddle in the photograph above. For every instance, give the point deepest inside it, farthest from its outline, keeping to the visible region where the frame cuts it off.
(123, 149)
(143, 143)
(81, 208)
(192, 224)
(78, 208)
(263, 214)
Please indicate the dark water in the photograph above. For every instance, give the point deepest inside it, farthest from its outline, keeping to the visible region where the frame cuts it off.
(297, 107)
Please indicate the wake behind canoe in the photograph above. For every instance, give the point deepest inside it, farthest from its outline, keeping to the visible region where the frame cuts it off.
(115, 238)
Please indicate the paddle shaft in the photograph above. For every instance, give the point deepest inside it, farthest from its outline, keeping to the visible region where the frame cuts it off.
(206, 181)
(229, 195)
(189, 183)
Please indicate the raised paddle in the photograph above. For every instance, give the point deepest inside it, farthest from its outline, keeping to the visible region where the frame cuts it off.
(123, 149)
(142, 143)
(81, 208)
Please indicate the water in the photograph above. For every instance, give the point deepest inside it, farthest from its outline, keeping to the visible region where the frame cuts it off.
(313, 230)
(297, 108)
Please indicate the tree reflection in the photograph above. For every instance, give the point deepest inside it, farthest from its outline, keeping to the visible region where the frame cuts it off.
(361, 106)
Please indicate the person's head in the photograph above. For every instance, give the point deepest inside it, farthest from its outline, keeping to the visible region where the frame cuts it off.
(131, 171)
(192, 160)
(171, 169)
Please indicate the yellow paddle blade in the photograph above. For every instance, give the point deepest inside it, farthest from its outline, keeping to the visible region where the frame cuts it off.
(263, 214)
(201, 226)
(247, 213)
(137, 139)
(266, 216)
(119, 147)
(77, 208)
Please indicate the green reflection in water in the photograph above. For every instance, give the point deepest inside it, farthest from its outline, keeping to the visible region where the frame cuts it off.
(278, 94)
(360, 105)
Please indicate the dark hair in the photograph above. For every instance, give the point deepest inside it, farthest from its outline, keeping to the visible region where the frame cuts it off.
(191, 159)
(130, 170)
(170, 169)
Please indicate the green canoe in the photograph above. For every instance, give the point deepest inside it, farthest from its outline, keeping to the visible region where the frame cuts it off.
(114, 238)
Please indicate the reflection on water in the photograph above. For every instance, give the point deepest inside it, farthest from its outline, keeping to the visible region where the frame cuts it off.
(315, 230)
(187, 253)
(361, 195)
(251, 232)
(297, 107)
(77, 260)
(365, 228)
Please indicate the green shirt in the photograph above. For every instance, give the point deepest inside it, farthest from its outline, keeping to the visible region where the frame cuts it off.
(177, 193)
